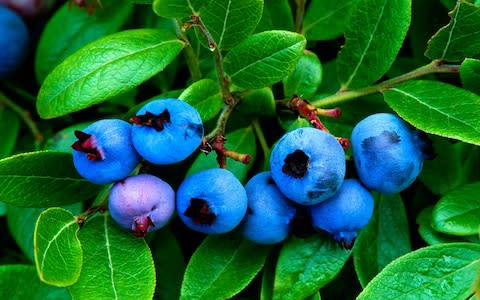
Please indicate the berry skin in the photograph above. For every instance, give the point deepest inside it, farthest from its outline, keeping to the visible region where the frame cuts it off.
(29, 8)
(388, 154)
(104, 152)
(167, 131)
(212, 201)
(344, 214)
(269, 212)
(142, 203)
(308, 165)
(14, 39)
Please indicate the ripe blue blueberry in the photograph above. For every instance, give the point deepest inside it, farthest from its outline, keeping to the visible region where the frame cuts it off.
(14, 38)
(167, 131)
(269, 212)
(104, 152)
(344, 214)
(212, 201)
(308, 165)
(141, 203)
(388, 154)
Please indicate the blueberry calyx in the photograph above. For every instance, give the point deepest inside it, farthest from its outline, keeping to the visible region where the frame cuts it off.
(296, 164)
(200, 212)
(141, 225)
(155, 121)
(87, 143)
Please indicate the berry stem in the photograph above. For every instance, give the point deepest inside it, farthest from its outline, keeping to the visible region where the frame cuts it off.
(261, 138)
(436, 66)
(299, 15)
(191, 57)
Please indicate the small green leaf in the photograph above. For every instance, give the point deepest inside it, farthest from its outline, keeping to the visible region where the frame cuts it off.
(277, 14)
(103, 69)
(428, 106)
(264, 58)
(385, 238)
(305, 78)
(116, 265)
(460, 38)
(306, 265)
(178, 8)
(470, 74)
(204, 95)
(35, 180)
(374, 35)
(9, 129)
(58, 253)
(444, 271)
(259, 102)
(231, 261)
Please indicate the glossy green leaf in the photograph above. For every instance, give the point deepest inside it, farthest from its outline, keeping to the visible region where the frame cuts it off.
(71, 28)
(21, 282)
(35, 180)
(231, 261)
(326, 20)
(444, 271)
(264, 58)
(3, 209)
(9, 130)
(277, 14)
(103, 69)
(460, 38)
(259, 102)
(204, 95)
(470, 74)
(305, 78)
(58, 253)
(62, 140)
(374, 35)
(385, 238)
(178, 8)
(428, 106)
(116, 264)
(305, 265)
(231, 21)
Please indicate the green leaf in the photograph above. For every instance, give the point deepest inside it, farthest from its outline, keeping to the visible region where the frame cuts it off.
(385, 238)
(305, 78)
(277, 14)
(264, 58)
(62, 141)
(374, 35)
(178, 8)
(231, 261)
(460, 38)
(21, 282)
(35, 180)
(428, 106)
(470, 74)
(103, 69)
(71, 28)
(9, 130)
(444, 271)
(326, 20)
(3, 209)
(306, 265)
(58, 253)
(204, 95)
(457, 212)
(259, 102)
(116, 265)
(229, 21)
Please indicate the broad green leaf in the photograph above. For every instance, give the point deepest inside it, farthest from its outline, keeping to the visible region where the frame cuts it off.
(305, 78)
(305, 265)
(231, 261)
(178, 8)
(277, 14)
(329, 84)
(259, 102)
(21, 282)
(9, 130)
(35, 180)
(457, 212)
(385, 238)
(103, 69)
(470, 74)
(374, 35)
(58, 253)
(3, 209)
(204, 95)
(62, 141)
(264, 58)
(444, 271)
(460, 38)
(437, 108)
(116, 264)
(326, 20)
(71, 28)
(231, 21)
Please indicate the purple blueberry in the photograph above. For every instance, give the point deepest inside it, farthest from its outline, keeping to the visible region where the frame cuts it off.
(142, 203)
(29, 8)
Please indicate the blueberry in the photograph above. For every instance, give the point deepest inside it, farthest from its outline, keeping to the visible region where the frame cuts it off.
(308, 165)
(388, 154)
(141, 203)
(269, 212)
(104, 152)
(29, 8)
(167, 131)
(212, 201)
(14, 38)
(344, 214)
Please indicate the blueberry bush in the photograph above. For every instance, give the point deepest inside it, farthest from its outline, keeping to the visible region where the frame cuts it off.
(240, 149)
